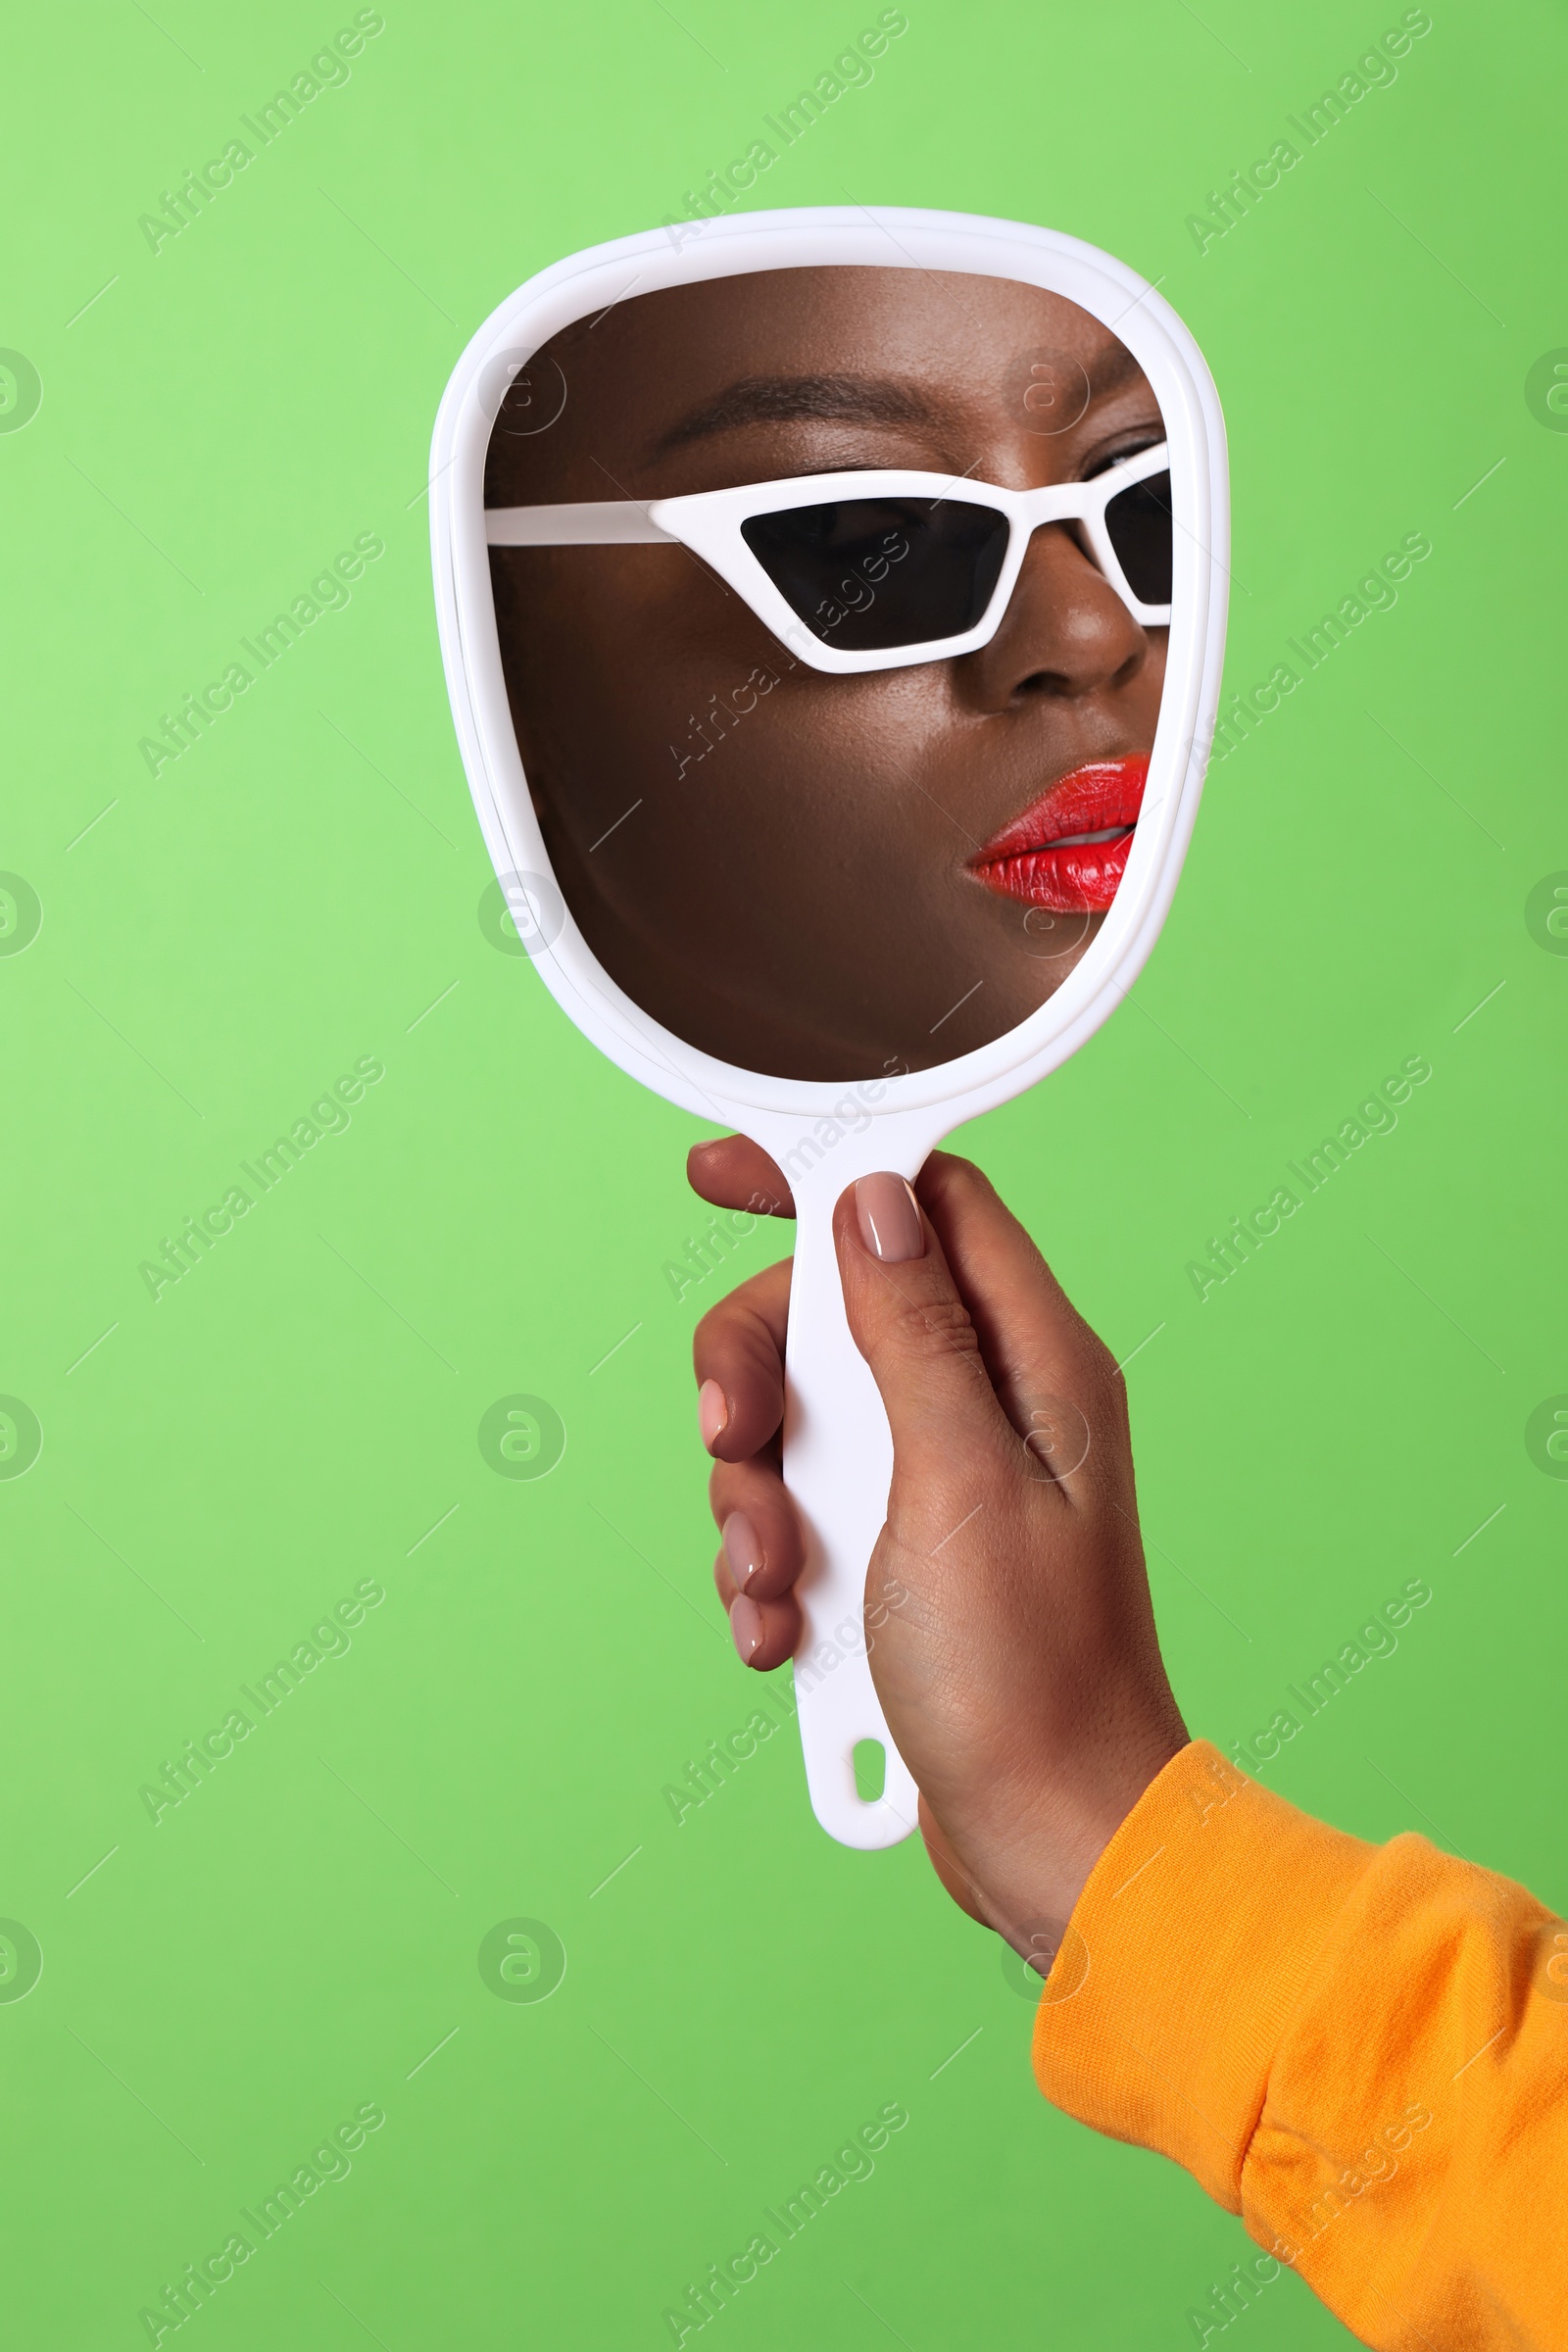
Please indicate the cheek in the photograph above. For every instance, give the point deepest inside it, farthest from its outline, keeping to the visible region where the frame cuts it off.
(610, 660)
(629, 678)
(800, 801)
(824, 773)
(806, 823)
(815, 832)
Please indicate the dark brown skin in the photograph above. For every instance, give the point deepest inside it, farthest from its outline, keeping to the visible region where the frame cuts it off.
(799, 900)
(1016, 1661)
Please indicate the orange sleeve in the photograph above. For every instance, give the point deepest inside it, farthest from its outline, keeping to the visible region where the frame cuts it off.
(1362, 2050)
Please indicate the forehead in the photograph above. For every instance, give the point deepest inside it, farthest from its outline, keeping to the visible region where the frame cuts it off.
(656, 369)
(910, 320)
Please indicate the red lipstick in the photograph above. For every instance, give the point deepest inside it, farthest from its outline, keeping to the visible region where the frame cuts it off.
(1069, 851)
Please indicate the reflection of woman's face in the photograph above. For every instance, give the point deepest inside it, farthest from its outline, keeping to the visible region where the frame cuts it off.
(784, 867)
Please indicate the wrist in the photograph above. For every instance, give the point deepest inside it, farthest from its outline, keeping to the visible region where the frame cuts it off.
(1034, 1877)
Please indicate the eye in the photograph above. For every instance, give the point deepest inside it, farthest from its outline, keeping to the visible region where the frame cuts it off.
(848, 527)
(1104, 460)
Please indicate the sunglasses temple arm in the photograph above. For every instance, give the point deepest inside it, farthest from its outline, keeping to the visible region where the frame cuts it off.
(613, 522)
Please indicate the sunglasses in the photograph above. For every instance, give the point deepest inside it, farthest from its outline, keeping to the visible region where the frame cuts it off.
(880, 569)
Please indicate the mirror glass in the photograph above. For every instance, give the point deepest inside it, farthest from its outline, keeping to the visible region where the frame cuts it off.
(837, 780)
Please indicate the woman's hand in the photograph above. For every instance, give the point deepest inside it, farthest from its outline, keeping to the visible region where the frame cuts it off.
(1016, 1655)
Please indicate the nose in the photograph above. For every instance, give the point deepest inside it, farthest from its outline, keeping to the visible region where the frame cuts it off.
(1065, 633)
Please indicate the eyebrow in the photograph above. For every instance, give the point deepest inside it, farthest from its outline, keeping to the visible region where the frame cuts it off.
(1115, 366)
(847, 399)
(787, 399)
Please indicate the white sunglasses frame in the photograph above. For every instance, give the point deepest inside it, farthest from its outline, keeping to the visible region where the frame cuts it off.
(709, 523)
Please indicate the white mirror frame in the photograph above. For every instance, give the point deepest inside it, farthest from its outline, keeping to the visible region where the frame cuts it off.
(838, 1455)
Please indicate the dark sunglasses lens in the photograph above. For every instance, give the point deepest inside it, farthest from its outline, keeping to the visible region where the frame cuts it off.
(867, 574)
(1139, 526)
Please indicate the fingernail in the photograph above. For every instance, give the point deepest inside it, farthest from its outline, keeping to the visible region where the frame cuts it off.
(712, 1413)
(746, 1627)
(889, 1219)
(742, 1548)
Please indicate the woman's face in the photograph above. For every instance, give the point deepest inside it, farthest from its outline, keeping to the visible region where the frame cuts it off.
(826, 877)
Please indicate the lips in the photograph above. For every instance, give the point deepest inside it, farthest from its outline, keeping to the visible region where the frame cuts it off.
(1069, 851)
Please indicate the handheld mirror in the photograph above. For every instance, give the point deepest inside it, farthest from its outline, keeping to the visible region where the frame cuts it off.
(832, 605)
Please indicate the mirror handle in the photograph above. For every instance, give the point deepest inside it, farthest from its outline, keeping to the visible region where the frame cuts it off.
(838, 1465)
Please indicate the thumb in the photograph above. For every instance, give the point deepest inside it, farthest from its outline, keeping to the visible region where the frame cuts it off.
(912, 1325)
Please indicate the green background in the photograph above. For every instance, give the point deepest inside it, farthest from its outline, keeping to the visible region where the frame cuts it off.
(220, 1467)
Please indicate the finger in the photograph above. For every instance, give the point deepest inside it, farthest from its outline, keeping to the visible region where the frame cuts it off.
(736, 1173)
(738, 1355)
(1038, 1348)
(758, 1527)
(915, 1332)
(764, 1632)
